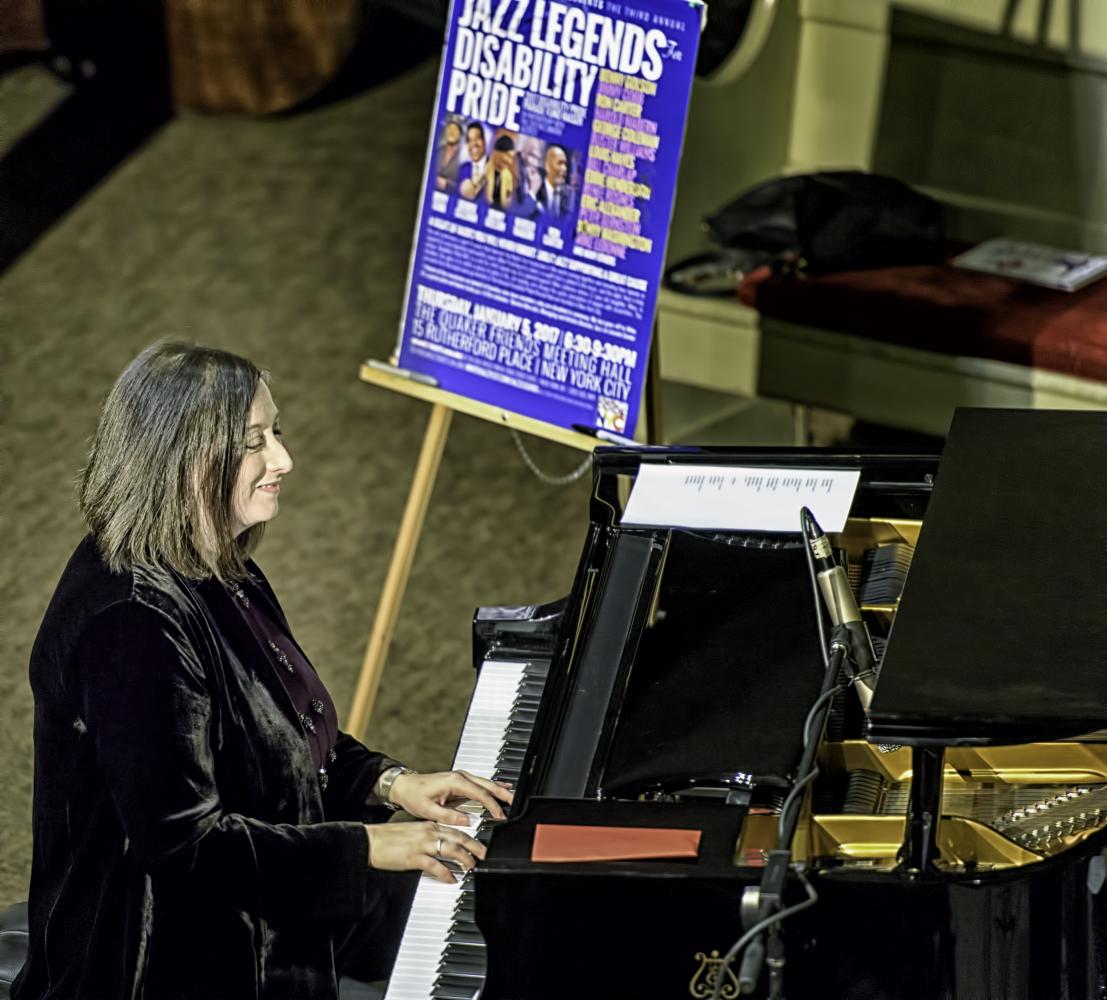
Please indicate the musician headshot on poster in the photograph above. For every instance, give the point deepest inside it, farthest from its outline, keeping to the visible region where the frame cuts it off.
(471, 174)
(447, 157)
(556, 196)
(505, 186)
(532, 149)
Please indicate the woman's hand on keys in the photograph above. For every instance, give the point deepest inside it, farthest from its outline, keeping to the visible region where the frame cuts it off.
(430, 796)
(402, 847)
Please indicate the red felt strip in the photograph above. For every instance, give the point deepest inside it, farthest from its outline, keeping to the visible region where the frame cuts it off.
(554, 842)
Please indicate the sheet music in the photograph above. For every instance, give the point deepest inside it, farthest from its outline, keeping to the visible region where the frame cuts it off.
(740, 498)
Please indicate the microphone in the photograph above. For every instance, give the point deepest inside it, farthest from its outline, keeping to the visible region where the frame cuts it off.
(841, 606)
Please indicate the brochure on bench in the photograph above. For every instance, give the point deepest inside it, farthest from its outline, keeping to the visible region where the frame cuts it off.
(1065, 270)
(547, 195)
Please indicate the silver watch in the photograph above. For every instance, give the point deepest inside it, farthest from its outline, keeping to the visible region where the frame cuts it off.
(386, 781)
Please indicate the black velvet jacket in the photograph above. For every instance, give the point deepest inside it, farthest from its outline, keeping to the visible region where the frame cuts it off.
(183, 849)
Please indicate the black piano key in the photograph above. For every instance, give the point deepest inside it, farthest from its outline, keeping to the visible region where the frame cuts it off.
(462, 965)
(458, 980)
(450, 982)
(475, 949)
(467, 992)
(473, 954)
(466, 938)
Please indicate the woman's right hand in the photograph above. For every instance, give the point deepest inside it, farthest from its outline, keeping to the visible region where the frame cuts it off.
(404, 847)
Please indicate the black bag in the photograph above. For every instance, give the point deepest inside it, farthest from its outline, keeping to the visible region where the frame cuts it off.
(833, 221)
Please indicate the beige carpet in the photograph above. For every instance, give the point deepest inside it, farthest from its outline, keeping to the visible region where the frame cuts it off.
(285, 239)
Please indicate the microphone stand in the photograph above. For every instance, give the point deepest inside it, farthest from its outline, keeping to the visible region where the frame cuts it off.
(762, 902)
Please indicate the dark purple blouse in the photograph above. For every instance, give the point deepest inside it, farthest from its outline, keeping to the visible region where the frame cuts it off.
(309, 695)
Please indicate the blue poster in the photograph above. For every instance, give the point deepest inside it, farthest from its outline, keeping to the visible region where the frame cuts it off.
(547, 195)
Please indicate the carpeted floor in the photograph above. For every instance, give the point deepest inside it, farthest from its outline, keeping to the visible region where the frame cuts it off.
(285, 239)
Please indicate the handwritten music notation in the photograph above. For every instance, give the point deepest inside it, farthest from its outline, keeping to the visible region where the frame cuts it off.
(739, 498)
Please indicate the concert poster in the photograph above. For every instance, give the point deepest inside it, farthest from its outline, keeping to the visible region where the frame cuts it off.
(546, 200)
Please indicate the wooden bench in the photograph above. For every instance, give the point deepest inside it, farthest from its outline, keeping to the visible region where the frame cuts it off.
(835, 344)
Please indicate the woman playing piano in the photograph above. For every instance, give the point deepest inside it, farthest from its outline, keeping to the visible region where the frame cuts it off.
(202, 829)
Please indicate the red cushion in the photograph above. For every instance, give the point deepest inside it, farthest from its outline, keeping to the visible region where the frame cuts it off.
(938, 308)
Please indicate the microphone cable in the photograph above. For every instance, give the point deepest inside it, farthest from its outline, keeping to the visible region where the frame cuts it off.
(793, 798)
(802, 782)
(550, 479)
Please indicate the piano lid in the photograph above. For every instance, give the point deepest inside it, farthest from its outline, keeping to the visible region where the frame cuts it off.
(1001, 635)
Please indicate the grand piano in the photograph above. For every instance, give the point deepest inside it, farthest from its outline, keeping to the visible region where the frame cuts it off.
(954, 839)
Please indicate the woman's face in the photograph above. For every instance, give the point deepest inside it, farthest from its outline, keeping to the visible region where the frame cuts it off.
(266, 461)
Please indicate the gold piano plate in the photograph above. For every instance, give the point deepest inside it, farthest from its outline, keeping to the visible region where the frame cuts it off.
(963, 843)
(857, 838)
(1069, 763)
(863, 533)
(875, 842)
(1001, 806)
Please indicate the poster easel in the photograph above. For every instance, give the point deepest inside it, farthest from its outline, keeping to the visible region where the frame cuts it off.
(443, 405)
(547, 193)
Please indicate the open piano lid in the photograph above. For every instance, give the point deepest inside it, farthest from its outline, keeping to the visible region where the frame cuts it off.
(1001, 634)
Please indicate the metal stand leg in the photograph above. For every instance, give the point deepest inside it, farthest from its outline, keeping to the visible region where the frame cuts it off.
(924, 809)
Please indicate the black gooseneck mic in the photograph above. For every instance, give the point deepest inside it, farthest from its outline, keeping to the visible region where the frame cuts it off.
(850, 649)
(842, 608)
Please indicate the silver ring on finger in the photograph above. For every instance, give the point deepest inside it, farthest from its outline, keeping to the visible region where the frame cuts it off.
(438, 847)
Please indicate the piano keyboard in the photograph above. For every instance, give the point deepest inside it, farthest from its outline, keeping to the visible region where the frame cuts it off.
(441, 954)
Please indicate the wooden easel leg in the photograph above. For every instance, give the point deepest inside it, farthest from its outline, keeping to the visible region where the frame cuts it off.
(395, 583)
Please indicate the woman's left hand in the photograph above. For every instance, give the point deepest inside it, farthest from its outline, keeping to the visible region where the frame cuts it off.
(428, 796)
